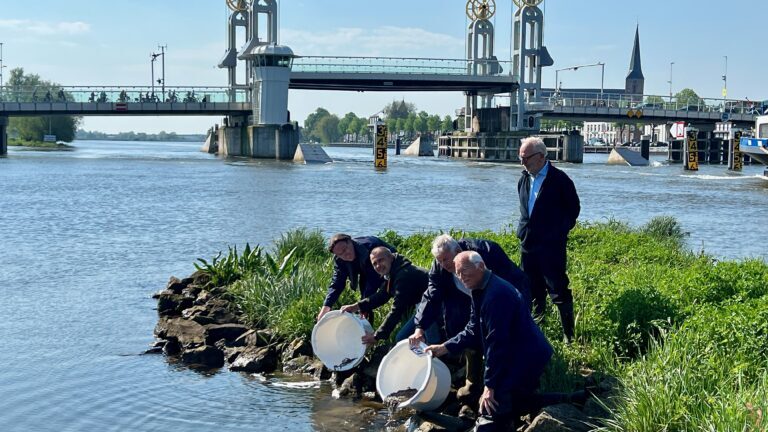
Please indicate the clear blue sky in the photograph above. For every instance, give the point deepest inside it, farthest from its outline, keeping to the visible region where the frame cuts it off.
(89, 42)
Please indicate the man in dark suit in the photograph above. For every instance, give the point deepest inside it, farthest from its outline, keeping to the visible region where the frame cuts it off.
(549, 206)
(351, 263)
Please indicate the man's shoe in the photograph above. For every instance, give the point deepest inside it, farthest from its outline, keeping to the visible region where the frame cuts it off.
(467, 413)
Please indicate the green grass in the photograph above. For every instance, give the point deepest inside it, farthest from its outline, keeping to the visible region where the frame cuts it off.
(685, 334)
(38, 144)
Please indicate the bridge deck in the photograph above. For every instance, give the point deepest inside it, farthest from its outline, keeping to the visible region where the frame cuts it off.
(124, 108)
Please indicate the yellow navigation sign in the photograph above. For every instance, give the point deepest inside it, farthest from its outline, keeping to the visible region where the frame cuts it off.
(380, 146)
(692, 150)
(736, 162)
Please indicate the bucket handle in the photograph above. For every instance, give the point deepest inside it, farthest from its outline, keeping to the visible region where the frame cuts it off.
(420, 350)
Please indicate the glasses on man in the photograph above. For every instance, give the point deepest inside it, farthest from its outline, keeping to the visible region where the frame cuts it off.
(525, 159)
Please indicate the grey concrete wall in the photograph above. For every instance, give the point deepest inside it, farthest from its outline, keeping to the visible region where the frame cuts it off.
(273, 142)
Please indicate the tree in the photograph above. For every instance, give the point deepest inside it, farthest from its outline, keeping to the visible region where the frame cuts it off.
(392, 125)
(447, 124)
(28, 87)
(327, 129)
(363, 131)
(418, 124)
(399, 110)
(344, 122)
(654, 100)
(400, 125)
(311, 121)
(687, 96)
(433, 123)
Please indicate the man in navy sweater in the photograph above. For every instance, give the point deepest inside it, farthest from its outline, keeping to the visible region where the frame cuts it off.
(351, 263)
(549, 207)
(515, 350)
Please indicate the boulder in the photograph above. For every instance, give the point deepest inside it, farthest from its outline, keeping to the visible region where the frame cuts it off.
(172, 304)
(253, 338)
(188, 333)
(227, 332)
(255, 360)
(350, 387)
(200, 278)
(299, 347)
(301, 364)
(319, 371)
(176, 285)
(206, 355)
(559, 418)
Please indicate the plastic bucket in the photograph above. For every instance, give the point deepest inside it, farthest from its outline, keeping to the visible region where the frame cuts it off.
(336, 340)
(403, 368)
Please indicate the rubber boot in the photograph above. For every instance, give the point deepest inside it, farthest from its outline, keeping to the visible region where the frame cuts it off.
(568, 321)
(473, 388)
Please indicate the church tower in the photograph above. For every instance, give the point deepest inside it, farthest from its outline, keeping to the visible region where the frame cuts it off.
(635, 82)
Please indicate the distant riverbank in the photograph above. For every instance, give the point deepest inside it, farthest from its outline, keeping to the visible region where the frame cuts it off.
(39, 144)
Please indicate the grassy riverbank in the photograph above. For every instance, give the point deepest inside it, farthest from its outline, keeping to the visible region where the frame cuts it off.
(38, 144)
(685, 334)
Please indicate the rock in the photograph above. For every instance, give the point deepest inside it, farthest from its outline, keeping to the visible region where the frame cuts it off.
(255, 360)
(301, 364)
(253, 338)
(172, 304)
(559, 418)
(191, 291)
(176, 285)
(319, 371)
(203, 297)
(351, 387)
(204, 356)
(228, 332)
(596, 411)
(187, 333)
(159, 293)
(200, 278)
(299, 347)
(172, 347)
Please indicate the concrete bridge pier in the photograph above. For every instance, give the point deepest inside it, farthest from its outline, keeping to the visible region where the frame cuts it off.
(3, 136)
(273, 141)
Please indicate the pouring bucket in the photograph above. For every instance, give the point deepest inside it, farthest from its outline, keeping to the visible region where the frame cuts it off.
(404, 368)
(336, 340)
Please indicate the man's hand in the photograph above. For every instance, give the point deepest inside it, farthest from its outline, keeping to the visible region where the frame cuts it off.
(437, 350)
(323, 310)
(417, 337)
(369, 339)
(487, 402)
(352, 308)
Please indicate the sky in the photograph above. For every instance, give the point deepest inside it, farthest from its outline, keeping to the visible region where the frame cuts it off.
(89, 42)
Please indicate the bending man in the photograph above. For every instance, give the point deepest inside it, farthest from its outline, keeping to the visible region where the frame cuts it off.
(516, 351)
(404, 282)
(351, 263)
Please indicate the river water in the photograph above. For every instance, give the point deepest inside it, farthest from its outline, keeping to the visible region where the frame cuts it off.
(88, 235)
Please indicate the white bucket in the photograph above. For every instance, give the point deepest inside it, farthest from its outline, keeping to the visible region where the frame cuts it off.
(336, 340)
(403, 369)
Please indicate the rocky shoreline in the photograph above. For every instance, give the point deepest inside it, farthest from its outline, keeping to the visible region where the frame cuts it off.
(201, 327)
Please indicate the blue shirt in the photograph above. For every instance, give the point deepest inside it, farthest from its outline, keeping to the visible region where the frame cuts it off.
(536, 182)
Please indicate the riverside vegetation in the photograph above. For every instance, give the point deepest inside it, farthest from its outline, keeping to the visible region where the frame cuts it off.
(682, 336)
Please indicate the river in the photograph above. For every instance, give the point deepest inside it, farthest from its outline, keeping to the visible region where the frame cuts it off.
(88, 235)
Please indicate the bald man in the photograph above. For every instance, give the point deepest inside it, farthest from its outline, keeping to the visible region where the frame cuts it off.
(404, 282)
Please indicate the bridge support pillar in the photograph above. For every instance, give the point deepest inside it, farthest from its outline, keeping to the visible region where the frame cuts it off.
(3, 136)
(272, 141)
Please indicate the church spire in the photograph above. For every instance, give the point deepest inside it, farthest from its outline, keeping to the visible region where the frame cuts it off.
(635, 68)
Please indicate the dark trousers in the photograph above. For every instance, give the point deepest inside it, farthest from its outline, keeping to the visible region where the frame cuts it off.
(546, 270)
(512, 404)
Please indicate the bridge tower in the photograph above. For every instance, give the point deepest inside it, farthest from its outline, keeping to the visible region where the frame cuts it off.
(267, 75)
(529, 57)
(480, 58)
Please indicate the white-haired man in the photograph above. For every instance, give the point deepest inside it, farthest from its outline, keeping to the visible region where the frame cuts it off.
(549, 207)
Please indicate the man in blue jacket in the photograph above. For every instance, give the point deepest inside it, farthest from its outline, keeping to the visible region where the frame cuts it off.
(549, 206)
(516, 351)
(449, 301)
(351, 263)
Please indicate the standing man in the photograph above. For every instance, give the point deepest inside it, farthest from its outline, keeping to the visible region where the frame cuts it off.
(351, 263)
(549, 206)
(449, 301)
(516, 351)
(405, 283)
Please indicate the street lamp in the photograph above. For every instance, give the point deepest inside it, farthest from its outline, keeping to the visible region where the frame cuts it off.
(161, 81)
(725, 80)
(2, 66)
(602, 74)
(670, 80)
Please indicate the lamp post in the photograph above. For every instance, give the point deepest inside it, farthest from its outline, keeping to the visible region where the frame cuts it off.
(162, 65)
(161, 81)
(2, 66)
(602, 74)
(670, 81)
(725, 80)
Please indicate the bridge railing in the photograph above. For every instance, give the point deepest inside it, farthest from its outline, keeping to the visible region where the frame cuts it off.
(396, 65)
(649, 102)
(127, 94)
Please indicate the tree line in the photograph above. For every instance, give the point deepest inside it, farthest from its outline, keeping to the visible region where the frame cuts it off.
(401, 118)
(23, 87)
